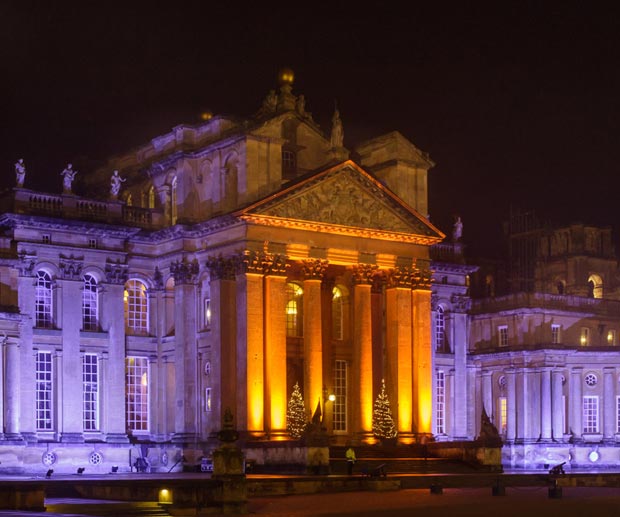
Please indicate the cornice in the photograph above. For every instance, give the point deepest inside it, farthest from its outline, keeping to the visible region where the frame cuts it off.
(71, 225)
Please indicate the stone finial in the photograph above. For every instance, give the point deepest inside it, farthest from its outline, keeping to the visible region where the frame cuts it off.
(337, 135)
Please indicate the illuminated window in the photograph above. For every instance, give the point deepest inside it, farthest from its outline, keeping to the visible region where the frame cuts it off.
(90, 390)
(43, 300)
(136, 307)
(137, 393)
(90, 310)
(129, 199)
(585, 336)
(208, 399)
(595, 286)
(611, 337)
(337, 313)
(340, 390)
(151, 198)
(440, 401)
(294, 310)
(502, 332)
(555, 334)
(207, 314)
(440, 329)
(289, 162)
(590, 414)
(503, 414)
(44, 391)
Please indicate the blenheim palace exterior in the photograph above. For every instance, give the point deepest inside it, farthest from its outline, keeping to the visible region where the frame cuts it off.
(230, 260)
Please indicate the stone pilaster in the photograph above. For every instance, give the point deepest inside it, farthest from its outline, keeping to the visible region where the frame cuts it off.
(576, 402)
(609, 403)
(557, 404)
(545, 410)
(511, 402)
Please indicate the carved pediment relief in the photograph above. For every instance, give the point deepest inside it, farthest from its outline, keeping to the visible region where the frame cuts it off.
(346, 197)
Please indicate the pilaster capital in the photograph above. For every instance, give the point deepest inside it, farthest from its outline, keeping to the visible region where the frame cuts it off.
(71, 267)
(158, 280)
(221, 268)
(250, 261)
(313, 269)
(363, 274)
(422, 276)
(184, 272)
(400, 276)
(116, 272)
(275, 264)
(26, 263)
(460, 303)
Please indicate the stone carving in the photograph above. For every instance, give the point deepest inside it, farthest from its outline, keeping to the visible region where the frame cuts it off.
(422, 277)
(399, 277)
(489, 435)
(251, 261)
(460, 303)
(26, 263)
(457, 231)
(270, 103)
(342, 200)
(276, 264)
(221, 268)
(300, 105)
(363, 273)
(68, 174)
(20, 172)
(115, 184)
(314, 269)
(158, 279)
(71, 267)
(184, 272)
(337, 136)
(116, 272)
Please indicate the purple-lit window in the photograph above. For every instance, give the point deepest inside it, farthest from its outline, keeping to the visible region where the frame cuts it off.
(137, 393)
(136, 307)
(440, 402)
(440, 329)
(590, 414)
(44, 391)
(555, 334)
(90, 390)
(90, 320)
(502, 333)
(43, 300)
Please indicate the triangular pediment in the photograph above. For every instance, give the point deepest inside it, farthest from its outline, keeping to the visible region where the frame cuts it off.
(344, 199)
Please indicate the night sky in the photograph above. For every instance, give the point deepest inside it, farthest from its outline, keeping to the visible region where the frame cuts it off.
(517, 104)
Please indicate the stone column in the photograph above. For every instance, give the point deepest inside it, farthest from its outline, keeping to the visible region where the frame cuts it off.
(275, 345)
(609, 403)
(163, 425)
(113, 321)
(576, 402)
(511, 402)
(487, 393)
(313, 271)
(250, 343)
(399, 371)
(462, 395)
(12, 391)
(185, 351)
(69, 373)
(545, 409)
(557, 404)
(422, 350)
(450, 405)
(224, 383)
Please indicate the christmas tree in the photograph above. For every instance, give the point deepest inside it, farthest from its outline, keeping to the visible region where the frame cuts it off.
(296, 414)
(382, 423)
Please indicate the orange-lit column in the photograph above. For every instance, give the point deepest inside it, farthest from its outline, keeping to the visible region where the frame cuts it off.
(399, 371)
(362, 349)
(275, 345)
(313, 271)
(250, 351)
(422, 351)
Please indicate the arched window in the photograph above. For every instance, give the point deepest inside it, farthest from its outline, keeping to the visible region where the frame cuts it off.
(595, 286)
(440, 329)
(560, 286)
(43, 300)
(338, 295)
(136, 307)
(173, 201)
(90, 308)
(294, 310)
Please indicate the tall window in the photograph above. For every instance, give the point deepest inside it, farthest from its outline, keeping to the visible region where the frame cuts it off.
(136, 307)
(44, 391)
(43, 300)
(555, 334)
(90, 304)
(294, 310)
(340, 390)
(207, 314)
(289, 162)
(502, 332)
(440, 328)
(590, 414)
(137, 393)
(337, 313)
(151, 197)
(503, 414)
(584, 339)
(611, 337)
(90, 390)
(440, 399)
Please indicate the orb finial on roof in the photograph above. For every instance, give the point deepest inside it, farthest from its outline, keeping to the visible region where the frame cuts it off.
(286, 76)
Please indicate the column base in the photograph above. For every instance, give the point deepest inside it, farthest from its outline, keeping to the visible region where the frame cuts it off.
(278, 435)
(184, 438)
(365, 437)
(72, 438)
(13, 437)
(116, 438)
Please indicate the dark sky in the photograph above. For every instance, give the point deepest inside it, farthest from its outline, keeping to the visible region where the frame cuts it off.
(516, 102)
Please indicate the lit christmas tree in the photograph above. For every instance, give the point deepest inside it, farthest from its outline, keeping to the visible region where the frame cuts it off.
(382, 423)
(296, 414)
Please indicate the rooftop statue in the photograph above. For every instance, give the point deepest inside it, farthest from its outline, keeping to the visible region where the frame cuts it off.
(20, 172)
(115, 184)
(457, 231)
(68, 175)
(337, 136)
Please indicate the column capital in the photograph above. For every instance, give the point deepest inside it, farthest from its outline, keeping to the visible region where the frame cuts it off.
(184, 272)
(363, 274)
(221, 268)
(400, 276)
(422, 276)
(26, 263)
(275, 264)
(116, 272)
(70, 267)
(313, 269)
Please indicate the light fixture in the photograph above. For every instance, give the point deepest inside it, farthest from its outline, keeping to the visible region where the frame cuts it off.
(49, 473)
(332, 397)
(80, 470)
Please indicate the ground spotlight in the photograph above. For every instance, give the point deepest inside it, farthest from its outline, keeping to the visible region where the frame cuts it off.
(80, 470)
(49, 473)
